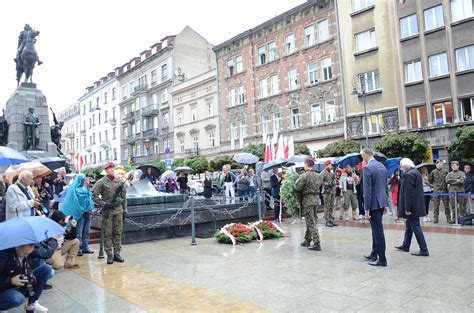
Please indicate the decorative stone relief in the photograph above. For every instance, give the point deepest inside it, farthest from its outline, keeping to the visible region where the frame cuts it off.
(390, 121)
(354, 126)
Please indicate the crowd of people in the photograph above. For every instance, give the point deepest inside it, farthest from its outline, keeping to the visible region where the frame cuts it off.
(27, 197)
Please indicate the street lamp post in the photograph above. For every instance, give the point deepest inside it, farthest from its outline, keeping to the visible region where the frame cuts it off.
(359, 90)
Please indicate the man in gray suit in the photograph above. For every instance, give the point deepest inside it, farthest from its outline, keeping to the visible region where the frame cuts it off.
(375, 203)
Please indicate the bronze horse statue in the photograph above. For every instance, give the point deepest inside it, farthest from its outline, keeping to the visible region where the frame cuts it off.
(28, 58)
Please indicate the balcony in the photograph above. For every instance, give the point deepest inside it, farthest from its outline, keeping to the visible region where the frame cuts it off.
(192, 152)
(105, 144)
(131, 139)
(129, 117)
(70, 135)
(150, 110)
(112, 121)
(94, 108)
(151, 133)
(83, 132)
(139, 89)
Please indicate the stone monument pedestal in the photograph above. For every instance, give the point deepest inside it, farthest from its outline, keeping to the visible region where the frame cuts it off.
(24, 97)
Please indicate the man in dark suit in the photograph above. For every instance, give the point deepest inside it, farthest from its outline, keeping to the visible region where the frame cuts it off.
(375, 204)
(411, 206)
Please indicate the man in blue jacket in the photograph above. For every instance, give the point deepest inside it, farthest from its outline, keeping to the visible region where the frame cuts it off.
(375, 204)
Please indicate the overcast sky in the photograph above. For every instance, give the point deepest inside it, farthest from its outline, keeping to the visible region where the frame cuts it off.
(82, 41)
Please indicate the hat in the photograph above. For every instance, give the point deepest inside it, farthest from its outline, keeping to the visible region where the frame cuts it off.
(327, 162)
(455, 162)
(109, 165)
(439, 161)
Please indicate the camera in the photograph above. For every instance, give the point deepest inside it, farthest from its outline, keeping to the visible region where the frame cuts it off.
(30, 290)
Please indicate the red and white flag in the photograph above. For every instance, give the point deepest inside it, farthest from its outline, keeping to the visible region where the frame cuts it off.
(79, 162)
(268, 151)
(403, 2)
(291, 147)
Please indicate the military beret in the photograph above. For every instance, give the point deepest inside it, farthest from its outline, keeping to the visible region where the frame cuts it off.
(109, 165)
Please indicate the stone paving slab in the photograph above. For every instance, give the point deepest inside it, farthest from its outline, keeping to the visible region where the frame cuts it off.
(274, 275)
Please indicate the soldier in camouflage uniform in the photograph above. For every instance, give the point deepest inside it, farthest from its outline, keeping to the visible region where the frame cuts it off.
(114, 208)
(455, 181)
(307, 189)
(437, 179)
(329, 192)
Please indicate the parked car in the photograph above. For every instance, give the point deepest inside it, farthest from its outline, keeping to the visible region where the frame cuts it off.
(195, 187)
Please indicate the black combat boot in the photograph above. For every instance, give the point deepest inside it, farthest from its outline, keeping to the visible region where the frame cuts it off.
(110, 259)
(305, 243)
(118, 258)
(316, 247)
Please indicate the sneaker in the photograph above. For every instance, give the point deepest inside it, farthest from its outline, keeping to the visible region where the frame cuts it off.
(36, 307)
(88, 251)
(79, 253)
(428, 219)
(361, 217)
(425, 219)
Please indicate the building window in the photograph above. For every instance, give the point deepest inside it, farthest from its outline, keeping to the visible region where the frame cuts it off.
(272, 53)
(413, 71)
(330, 111)
(181, 145)
(106, 133)
(194, 114)
(114, 93)
(263, 88)
(443, 113)
(164, 95)
(358, 5)
(98, 118)
(93, 138)
(313, 73)
(309, 36)
(375, 124)
(326, 68)
(243, 130)
(292, 79)
(467, 108)
(142, 81)
(166, 144)
(153, 77)
(115, 154)
(234, 66)
(438, 64)
(434, 17)
(232, 95)
(165, 119)
(210, 140)
(106, 116)
(240, 95)
(262, 55)
(323, 30)
(465, 58)
(315, 113)
(295, 118)
(266, 122)
(114, 133)
(195, 144)
(408, 26)
(105, 97)
(274, 85)
(290, 44)
(180, 118)
(276, 122)
(209, 109)
(233, 135)
(461, 9)
(164, 71)
(145, 124)
(365, 40)
(371, 81)
(417, 117)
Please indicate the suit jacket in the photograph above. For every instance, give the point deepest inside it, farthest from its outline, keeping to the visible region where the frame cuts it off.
(410, 195)
(18, 203)
(375, 186)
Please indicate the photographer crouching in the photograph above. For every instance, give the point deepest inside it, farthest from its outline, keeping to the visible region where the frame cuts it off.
(18, 281)
(68, 244)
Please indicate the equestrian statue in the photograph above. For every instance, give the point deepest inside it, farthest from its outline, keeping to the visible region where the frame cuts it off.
(26, 56)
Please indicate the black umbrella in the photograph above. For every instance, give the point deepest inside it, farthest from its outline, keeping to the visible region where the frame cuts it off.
(274, 164)
(296, 159)
(429, 166)
(53, 163)
(154, 170)
(380, 157)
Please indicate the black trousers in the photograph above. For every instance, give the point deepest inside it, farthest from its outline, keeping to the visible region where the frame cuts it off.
(413, 226)
(378, 237)
(360, 202)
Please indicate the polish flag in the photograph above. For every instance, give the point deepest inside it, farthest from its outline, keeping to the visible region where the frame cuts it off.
(79, 162)
(268, 151)
(285, 151)
(291, 147)
(280, 154)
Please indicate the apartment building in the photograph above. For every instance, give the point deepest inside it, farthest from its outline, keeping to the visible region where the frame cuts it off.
(146, 82)
(196, 119)
(70, 139)
(282, 77)
(435, 41)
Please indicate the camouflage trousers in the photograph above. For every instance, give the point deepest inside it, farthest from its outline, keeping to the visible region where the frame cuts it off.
(436, 202)
(328, 206)
(112, 224)
(310, 218)
(462, 210)
(350, 200)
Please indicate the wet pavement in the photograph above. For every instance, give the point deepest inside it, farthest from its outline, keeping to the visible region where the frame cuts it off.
(276, 275)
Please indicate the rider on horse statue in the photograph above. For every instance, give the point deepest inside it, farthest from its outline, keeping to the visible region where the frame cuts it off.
(26, 55)
(22, 41)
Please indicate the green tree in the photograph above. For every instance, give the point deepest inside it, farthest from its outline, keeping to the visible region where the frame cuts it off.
(340, 148)
(91, 171)
(302, 149)
(287, 194)
(258, 150)
(159, 165)
(461, 147)
(406, 144)
(178, 163)
(216, 164)
(198, 164)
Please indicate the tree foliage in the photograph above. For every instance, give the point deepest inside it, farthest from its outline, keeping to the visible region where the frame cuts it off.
(216, 164)
(340, 148)
(461, 147)
(407, 145)
(287, 194)
(198, 164)
(258, 150)
(91, 171)
(178, 163)
(302, 149)
(159, 165)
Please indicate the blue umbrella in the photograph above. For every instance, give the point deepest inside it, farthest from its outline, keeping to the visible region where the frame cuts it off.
(245, 158)
(392, 165)
(9, 156)
(352, 159)
(274, 164)
(26, 230)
